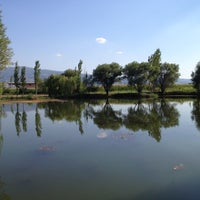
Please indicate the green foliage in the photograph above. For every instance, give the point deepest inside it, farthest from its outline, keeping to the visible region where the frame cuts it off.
(136, 73)
(5, 51)
(169, 73)
(154, 68)
(70, 73)
(107, 75)
(1, 88)
(23, 79)
(61, 86)
(36, 75)
(78, 81)
(16, 78)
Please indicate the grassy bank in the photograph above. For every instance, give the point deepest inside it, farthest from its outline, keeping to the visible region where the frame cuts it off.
(117, 92)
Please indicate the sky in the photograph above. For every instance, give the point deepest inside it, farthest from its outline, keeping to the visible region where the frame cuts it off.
(59, 33)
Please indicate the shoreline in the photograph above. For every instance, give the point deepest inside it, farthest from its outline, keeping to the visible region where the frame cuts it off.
(6, 99)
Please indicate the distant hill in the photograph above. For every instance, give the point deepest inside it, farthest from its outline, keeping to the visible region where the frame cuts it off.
(9, 72)
(184, 81)
(45, 73)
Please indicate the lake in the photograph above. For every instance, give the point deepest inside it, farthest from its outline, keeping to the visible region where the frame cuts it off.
(92, 150)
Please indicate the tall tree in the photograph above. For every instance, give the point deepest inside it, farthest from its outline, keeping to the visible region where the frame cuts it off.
(136, 73)
(169, 73)
(16, 78)
(154, 68)
(5, 51)
(79, 76)
(36, 75)
(196, 78)
(107, 75)
(23, 79)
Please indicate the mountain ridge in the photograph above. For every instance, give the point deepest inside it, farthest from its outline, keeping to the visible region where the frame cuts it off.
(5, 75)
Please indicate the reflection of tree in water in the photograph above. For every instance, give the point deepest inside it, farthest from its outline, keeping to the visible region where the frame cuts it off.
(24, 120)
(3, 194)
(38, 124)
(17, 120)
(2, 114)
(105, 118)
(151, 118)
(20, 118)
(70, 111)
(1, 143)
(195, 114)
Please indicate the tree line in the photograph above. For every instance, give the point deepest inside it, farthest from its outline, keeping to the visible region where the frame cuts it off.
(152, 73)
(20, 78)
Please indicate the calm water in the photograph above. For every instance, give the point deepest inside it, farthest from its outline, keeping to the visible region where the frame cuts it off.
(92, 151)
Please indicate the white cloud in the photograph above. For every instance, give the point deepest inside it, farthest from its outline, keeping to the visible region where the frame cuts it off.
(101, 40)
(119, 52)
(58, 55)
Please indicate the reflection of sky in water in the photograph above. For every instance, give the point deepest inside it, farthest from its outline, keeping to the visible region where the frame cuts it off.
(100, 163)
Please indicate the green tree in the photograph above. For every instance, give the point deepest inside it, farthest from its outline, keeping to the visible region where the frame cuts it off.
(36, 75)
(169, 73)
(196, 78)
(107, 75)
(61, 86)
(88, 82)
(23, 79)
(78, 82)
(69, 73)
(16, 78)
(154, 68)
(52, 84)
(136, 73)
(5, 51)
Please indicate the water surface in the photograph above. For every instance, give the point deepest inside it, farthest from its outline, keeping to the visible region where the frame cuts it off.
(92, 150)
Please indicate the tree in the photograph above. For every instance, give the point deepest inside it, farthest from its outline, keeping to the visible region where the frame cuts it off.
(169, 73)
(16, 78)
(61, 86)
(78, 82)
(36, 75)
(136, 73)
(154, 68)
(196, 78)
(69, 73)
(23, 79)
(107, 75)
(5, 51)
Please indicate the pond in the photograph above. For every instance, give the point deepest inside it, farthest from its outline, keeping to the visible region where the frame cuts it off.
(93, 150)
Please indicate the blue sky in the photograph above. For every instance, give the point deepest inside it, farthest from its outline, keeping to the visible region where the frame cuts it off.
(59, 33)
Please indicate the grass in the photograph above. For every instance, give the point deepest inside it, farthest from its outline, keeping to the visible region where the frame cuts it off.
(116, 92)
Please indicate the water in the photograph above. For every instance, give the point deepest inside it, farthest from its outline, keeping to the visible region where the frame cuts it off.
(98, 151)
